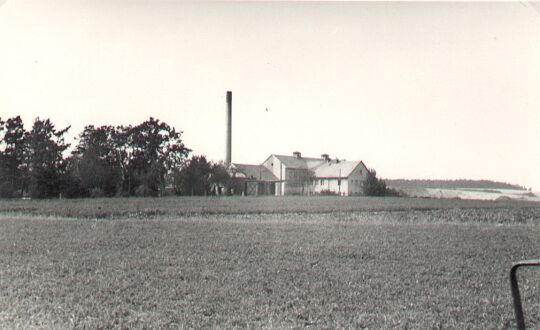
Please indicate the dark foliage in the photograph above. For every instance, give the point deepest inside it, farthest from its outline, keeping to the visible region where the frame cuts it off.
(73, 187)
(390, 192)
(201, 177)
(151, 152)
(46, 164)
(12, 166)
(107, 161)
(373, 186)
(220, 179)
(451, 184)
(328, 192)
(97, 164)
(128, 160)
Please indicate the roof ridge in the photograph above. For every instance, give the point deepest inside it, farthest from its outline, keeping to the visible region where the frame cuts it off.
(289, 156)
(247, 164)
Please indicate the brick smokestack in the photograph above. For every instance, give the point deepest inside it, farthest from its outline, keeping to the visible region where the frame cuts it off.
(229, 129)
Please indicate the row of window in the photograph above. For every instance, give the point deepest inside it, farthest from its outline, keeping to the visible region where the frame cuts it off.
(322, 182)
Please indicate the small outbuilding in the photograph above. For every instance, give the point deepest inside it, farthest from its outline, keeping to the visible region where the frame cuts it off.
(253, 180)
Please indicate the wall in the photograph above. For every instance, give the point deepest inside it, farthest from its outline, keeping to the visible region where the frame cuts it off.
(338, 186)
(273, 164)
(256, 188)
(298, 182)
(348, 186)
(356, 179)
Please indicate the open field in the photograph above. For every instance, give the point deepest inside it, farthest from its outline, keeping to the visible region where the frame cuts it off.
(174, 206)
(472, 193)
(265, 262)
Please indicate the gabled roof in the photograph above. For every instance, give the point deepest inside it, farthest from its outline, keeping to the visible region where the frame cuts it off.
(256, 172)
(321, 167)
(333, 169)
(303, 162)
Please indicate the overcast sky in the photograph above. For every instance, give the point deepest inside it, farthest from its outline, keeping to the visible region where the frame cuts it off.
(415, 90)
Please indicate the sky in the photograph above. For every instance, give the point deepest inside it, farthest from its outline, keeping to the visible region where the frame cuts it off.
(426, 90)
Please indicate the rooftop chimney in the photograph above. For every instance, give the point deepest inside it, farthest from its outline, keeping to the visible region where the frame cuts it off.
(297, 154)
(229, 129)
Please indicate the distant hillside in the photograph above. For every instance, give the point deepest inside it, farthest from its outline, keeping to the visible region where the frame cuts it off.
(450, 184)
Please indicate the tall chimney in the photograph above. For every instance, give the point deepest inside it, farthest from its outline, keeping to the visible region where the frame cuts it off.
(229, 129)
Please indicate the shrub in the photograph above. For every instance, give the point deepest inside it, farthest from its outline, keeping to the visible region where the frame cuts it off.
(97, 193)
(373, 186)
(6, 190)
(327, 192)
(144, 191)
(390, 192)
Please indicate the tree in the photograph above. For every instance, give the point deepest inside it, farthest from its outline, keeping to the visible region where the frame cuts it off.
(220, 179)
(46, 165)
(154, 149)
(300, 178)
(108, 160)
(120, 138)
(96, 161)
(73, 187)
(201, 177)
(373, 186)
(306, 177)
(194, 178)
(12, 170)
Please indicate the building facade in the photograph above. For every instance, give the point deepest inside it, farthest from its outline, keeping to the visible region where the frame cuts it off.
(296, 175)
(253, 180)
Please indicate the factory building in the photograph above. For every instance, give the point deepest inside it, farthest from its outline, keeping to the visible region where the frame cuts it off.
(297, 175)
(294, 175)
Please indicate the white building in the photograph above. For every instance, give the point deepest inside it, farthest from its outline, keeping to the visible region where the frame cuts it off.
(297, 175)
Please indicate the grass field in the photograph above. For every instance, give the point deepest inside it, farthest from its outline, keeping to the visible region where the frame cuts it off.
(110, 208)
(265, 263)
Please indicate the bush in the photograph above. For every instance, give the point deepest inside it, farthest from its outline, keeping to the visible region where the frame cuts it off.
(327, 192)
(7, 190)
(73, 188)
(167, 192)
(122, 193)
(390, 192)
(97, 193)
(201, 177)
(144, 191)
(373, 186)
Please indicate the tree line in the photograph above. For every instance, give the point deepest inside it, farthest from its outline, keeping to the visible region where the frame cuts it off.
(148, 159)
(452, 184)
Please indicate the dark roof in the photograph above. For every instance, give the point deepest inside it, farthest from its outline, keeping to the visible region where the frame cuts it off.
(256, 172)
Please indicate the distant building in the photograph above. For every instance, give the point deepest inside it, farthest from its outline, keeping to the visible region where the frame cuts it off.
(253, 179)
(291, 175)
(296, 175)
